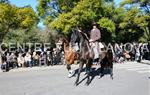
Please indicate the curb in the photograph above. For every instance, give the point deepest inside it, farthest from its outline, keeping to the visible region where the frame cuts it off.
(145, 62)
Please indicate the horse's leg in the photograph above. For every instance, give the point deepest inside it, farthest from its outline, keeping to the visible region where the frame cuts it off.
(79, 71)
(69, 70)
(111, 70)
(71, 73)
(101, 74)
(88, 67)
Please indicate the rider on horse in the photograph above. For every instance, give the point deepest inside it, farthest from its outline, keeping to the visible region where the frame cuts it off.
(95, 36)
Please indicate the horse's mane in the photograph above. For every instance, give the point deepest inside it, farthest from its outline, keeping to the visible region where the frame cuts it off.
(65, 40)
(84, 35)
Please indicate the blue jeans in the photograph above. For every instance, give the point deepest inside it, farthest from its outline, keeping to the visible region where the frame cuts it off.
(29, 63)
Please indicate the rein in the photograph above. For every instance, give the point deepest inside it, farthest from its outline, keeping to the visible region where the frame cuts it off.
(85, 35)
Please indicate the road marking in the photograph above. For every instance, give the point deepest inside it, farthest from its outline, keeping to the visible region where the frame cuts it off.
(140, 68)
(132, 67)
(147, 71)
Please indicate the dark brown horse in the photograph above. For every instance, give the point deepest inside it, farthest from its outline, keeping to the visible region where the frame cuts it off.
(86, 55)
(106, 61)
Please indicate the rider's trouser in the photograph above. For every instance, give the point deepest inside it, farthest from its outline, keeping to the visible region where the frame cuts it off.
(96, 51)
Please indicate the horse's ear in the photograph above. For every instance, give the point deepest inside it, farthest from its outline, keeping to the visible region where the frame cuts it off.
(73, 30)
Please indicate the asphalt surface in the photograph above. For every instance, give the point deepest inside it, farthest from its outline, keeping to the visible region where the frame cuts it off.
(130, 78)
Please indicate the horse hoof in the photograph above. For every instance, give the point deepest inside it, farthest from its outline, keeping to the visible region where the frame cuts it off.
(100, 76)
(112, 77)
(85, 73)
(87, 84)
(70, 75)
(76, 84)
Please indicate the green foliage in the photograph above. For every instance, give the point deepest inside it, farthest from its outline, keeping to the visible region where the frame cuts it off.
(42, 5)
(12, 17)
(26, 17)
(31, 36)
(127, 19)
(137, 19)
(146, 36)
(4, 1)
(81, 15)
(22, 36)
(107, 23)
(126, 23)
(48, 36)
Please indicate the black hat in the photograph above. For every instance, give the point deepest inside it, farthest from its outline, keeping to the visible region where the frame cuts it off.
(94, 24)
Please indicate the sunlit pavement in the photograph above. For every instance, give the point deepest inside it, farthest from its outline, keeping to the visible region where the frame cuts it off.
(130, 78)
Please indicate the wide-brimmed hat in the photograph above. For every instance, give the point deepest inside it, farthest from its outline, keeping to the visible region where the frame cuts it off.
(94, 24)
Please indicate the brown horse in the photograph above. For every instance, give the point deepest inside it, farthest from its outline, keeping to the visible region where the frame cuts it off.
(86, 55)
(70, 55)
(106, 61)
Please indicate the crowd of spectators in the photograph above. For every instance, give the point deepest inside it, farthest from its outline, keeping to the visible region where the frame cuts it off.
(55, 56)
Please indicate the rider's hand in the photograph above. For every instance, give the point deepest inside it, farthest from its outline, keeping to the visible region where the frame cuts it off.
(90, 40)
(79, 30)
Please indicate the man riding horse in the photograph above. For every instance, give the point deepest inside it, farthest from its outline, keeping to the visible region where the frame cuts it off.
(95, 36)
(85, 50)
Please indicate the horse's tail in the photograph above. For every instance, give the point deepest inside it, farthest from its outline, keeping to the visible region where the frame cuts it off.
(110, 56)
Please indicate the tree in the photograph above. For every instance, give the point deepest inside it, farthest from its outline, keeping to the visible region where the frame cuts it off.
(144, 4)
(48, 36)
(27, 17)
(126, 23)
(78, 15)
(22, 36)
(12, 17)
(137, 19)
(4, 1)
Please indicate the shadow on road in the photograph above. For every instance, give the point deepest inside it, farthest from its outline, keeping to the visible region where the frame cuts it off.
(94, 72)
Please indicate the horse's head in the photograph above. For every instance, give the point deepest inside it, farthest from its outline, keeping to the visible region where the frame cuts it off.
(62, 40)
(75, 37)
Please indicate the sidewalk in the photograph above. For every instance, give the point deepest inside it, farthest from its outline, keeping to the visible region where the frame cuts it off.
(145, 62)
(57, 67)
(35, 68)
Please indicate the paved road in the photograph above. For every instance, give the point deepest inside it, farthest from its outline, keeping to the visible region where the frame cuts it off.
(130, 78)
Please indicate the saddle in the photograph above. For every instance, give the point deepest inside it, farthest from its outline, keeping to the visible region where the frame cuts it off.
(101, 45)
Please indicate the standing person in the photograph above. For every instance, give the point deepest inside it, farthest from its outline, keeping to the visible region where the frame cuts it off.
(13, 60)
(95, 36)
(50, 56)
(8, 58)
(137, 55)
(35, 57)
(42, 59)
(28, 60)
(118, 52)
(20, 60)
(4, 64)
